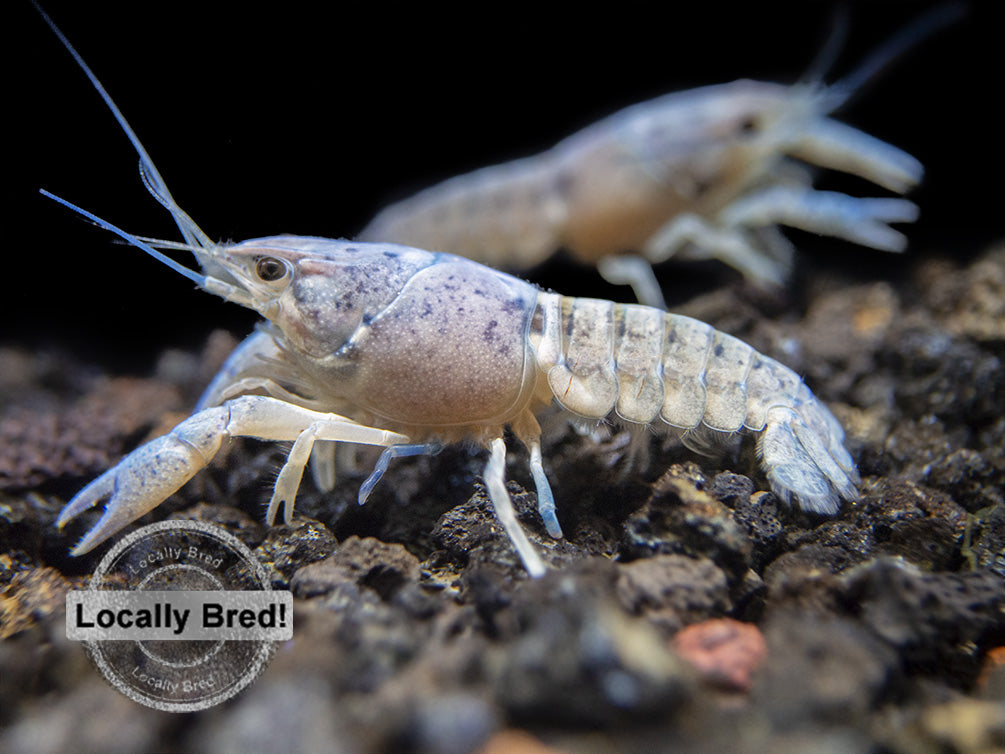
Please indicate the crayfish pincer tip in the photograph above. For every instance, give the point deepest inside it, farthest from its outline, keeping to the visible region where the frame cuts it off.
(88, 542)
(101, 487)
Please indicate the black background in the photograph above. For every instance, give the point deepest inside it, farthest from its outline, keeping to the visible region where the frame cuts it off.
(287, 118)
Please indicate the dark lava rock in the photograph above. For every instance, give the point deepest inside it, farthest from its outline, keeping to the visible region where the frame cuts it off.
(449, 724)
(764, 518)
(731, 489)
(939, 623)
(234, 520)
(84, 438)
(288, 548)
(681, 517)
(984, 540)
(579, 659)
(950, 377)
(91, 717)
(389, 571)
(892, 517)
(295, 714)
(470, 533)
(821, 668)
(935, 623)
(974, 480)
(672, 591)
(968, 301)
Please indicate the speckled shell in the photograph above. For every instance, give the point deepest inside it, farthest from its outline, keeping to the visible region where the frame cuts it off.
(645, 364)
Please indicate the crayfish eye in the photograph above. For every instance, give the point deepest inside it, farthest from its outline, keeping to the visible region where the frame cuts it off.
(748, 125)
(270, 269)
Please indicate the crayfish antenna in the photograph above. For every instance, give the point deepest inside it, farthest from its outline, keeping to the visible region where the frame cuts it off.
(206, 282)
(895, 47)
(151, 178)
(201, 280)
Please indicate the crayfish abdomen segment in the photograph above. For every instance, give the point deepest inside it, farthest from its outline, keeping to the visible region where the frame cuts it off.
(645, 366)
